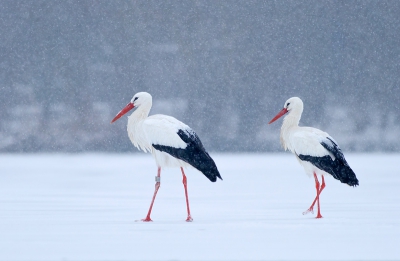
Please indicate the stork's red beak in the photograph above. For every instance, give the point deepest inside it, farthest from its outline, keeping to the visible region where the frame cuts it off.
(280, 114)
(127, 108)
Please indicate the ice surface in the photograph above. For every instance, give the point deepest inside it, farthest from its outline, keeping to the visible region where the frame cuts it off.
(84, 207)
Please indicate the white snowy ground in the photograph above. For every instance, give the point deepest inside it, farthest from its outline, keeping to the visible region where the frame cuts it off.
(84, 207)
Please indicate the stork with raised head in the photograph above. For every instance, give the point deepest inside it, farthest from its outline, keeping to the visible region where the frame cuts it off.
(171, 142)
(316, 151)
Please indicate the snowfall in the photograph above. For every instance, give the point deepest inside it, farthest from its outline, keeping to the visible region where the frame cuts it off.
(89, 206)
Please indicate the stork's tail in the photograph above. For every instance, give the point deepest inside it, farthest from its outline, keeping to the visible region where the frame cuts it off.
(346, 175)
(338, 168)
(206, 165)
(197, 158)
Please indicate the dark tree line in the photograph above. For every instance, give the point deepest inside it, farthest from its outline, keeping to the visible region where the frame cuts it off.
(223, 67)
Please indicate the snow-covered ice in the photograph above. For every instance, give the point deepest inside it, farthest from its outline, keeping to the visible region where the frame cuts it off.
(84, 207)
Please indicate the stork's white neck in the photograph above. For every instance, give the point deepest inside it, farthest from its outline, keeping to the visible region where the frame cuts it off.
(142, 112)
(135, 127)
(290, 122)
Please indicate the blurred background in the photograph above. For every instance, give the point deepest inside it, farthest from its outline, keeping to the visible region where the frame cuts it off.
(225, 68)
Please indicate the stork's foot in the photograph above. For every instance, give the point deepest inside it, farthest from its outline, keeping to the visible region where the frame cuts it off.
(189, 219)
(311, 209)
(147, 219)
(319, 216)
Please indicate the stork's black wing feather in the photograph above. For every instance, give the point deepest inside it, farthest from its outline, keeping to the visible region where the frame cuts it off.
(194, 154)
(338, 167)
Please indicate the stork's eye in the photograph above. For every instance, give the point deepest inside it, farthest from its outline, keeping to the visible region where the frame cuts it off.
(287, 105)
(135, 99)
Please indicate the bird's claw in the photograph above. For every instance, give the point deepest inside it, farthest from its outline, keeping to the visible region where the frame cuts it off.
(189, 219)
(147, 219)
(308, 211)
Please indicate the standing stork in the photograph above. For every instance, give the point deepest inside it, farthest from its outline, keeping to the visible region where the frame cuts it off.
(316, 151)
(171, 142)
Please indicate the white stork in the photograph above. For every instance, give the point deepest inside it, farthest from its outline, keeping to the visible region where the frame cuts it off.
(316, 151)
(171, 142)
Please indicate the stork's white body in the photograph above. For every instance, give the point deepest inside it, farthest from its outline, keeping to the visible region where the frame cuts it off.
(304, 141)
(144, 131)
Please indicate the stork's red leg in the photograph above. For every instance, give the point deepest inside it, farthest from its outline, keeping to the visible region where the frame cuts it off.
(311, 208)
(319, 190)
(184, 181)
(157, 186)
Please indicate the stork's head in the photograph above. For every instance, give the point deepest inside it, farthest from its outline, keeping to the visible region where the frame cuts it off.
(292, 105)
(139, 99)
